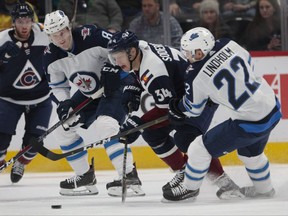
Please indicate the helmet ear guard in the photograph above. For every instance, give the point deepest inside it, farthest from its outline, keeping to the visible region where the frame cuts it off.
(197, 38)
(22, 10)
(55, 22)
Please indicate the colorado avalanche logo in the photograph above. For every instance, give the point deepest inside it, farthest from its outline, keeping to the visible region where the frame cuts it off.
(86, 82)
(28, 78)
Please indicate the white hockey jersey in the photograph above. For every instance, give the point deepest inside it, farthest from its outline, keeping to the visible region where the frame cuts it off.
(226, 76)
(81, 66)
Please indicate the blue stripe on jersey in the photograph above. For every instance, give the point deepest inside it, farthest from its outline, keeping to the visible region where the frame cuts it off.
(258, 128)
(73, 145)
(194, 178)
(194, 109)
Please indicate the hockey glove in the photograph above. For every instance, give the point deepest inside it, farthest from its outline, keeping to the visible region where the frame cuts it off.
(7, 50)
(64, 108)
(176, 117)
(130, 123)
(132, 94)
(110, 79)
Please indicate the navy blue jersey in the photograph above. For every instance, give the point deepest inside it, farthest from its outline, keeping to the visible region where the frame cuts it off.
(23, 80)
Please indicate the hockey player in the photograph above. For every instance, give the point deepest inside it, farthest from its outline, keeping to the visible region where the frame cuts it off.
(77, 56)
(159, 71)
(23, 86)
(223, 72)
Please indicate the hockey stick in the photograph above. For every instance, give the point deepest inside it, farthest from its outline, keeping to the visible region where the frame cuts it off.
(80, 107)
(75, 6)
(54, 156)
(124, 185)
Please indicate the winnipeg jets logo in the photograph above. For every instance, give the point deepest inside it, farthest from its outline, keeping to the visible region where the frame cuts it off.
(28, 77)
(86, 82)
(193, 36)
(85, 32)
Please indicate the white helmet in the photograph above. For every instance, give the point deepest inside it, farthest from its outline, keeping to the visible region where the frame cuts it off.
(197, 38)
(55, 22)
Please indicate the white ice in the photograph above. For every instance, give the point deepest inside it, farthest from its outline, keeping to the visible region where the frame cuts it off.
(36, 192)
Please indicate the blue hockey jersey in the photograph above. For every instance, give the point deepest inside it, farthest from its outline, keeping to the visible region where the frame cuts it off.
(23, 80)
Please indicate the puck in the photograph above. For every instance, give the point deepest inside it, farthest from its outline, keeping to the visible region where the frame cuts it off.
(56, 206)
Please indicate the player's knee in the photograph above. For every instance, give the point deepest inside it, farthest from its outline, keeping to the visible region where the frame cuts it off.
(106, 126)
(5, 141)
(27, 138)
(198, 152)
(160, 146)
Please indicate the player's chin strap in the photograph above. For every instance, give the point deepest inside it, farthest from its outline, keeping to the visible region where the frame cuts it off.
(37, 141)
(54, 156)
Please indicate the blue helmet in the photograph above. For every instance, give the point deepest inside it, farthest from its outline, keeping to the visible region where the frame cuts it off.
(122, 41)
(22, 10)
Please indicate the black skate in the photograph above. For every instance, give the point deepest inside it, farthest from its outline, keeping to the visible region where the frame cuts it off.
(179, 177)
(250, 192)
(17, 172)
(228, 189)
(133, 184)
(80, 185)
(180, 193)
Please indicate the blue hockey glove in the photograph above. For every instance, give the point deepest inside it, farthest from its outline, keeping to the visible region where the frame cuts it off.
(130, 123)
(8, 50)
(176, 117)
(110, 78)
(64, 108)
(132, 94)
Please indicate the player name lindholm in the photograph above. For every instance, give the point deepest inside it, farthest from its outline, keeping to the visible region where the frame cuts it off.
(215, 63)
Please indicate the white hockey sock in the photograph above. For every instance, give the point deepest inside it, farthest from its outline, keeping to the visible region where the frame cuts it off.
(259, 172)
(198, 164)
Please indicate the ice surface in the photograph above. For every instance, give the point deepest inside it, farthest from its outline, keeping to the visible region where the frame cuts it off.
(36, 192)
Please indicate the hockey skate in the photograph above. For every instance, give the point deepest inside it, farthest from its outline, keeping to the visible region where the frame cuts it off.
(133, 185)
(17, 172)
(179, 177)
(228, 188)
(80, 185)
(250, 192)
(179, 193)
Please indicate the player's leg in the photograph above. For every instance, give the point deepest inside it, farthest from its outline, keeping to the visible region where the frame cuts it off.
(183, 137)
(36, 122)
(9, 117)
(164, 147)
(110, 115)
(257, 167)
(84, 181)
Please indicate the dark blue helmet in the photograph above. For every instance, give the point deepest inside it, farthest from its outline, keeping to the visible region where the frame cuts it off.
(22, 10)
(122, 41)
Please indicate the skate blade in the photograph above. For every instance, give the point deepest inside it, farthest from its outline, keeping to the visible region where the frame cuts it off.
(81, 191)
(132, 191)
(188, 200)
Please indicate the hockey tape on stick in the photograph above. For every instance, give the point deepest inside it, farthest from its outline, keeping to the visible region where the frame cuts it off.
(36, 141)
(54, 156)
